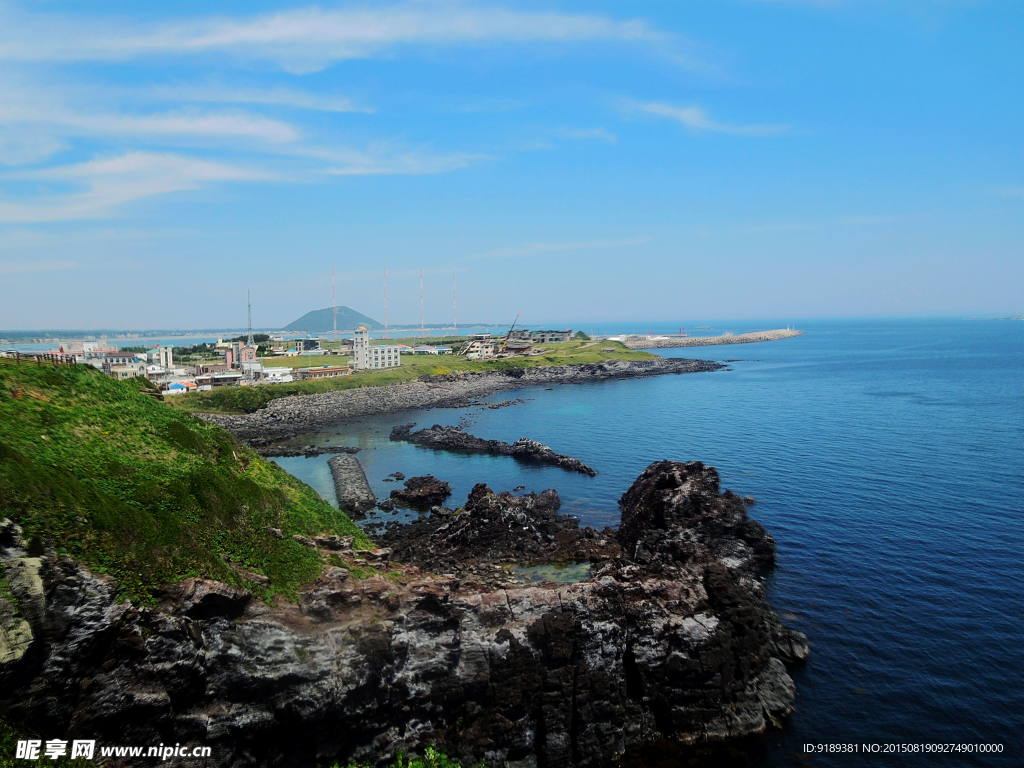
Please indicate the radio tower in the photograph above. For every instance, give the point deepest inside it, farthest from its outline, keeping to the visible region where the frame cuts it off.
(455, 307)
(387, 334)
(334, 305)
(248, 304)
(422, 327)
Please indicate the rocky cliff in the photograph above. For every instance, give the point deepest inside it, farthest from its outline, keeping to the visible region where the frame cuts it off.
(670, 638)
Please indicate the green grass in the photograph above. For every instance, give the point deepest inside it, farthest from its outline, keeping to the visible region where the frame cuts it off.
(249, 399)
(145, 492)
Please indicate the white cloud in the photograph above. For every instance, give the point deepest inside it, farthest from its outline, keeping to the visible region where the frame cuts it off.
(46, 109)
(284, 97)
(113, 182)
(385, 159)
(697, 119)
(306, 39)
(23, 146)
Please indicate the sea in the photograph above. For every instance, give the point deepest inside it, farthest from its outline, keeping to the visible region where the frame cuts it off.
(887, 460)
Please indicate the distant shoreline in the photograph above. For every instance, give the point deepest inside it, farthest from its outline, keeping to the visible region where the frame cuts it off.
(288, 417)
(665, 342)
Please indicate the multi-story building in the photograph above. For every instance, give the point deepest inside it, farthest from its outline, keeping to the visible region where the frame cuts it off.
(541, 337)
(478, 346)
(368, 357)
(125, 371)
(238, 354)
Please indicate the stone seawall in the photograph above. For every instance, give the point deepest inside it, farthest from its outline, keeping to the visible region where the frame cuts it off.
(350, 484)
(665, 342)
(289, 416)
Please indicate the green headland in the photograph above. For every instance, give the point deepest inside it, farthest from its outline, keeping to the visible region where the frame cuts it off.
(147, 493)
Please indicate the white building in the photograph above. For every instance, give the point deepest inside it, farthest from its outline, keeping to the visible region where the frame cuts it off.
(368, 357)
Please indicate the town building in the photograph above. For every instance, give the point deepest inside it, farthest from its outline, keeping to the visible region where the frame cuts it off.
(208, 368)
(517, 347)
(368, 357)
(238, 354)
(276, 375)
(325, 372)
(541, 337)
(478, 346)
(304, 346)
(126, 371)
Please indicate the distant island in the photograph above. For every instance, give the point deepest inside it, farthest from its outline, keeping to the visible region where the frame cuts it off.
(322, 321)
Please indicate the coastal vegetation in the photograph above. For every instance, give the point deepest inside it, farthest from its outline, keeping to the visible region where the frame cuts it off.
(414, 367)
(147, 493)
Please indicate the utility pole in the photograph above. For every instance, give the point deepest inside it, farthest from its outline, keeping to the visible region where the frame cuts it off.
(455, 307)
(387, 334)
(422, 327)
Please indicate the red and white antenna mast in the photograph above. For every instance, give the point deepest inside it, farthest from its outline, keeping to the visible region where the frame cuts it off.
(334, 305)
(422, 327)
(455, 307)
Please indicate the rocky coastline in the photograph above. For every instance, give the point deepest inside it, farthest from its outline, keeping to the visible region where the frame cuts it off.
(290, 416)
(443, 438)
(670, 639)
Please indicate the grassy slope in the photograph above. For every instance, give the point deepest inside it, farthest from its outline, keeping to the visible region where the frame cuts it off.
(146, 492)
(249, 399)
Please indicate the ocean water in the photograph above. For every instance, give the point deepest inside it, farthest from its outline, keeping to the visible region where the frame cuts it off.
(887, 458)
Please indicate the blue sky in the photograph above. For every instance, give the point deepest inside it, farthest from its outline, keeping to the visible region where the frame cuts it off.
(582, 162)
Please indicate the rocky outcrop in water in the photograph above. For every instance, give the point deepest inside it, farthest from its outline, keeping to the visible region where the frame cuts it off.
(493, 531)
(289, 416)
(454, 439)
(350, 484)
(671, 639)
(422, 492)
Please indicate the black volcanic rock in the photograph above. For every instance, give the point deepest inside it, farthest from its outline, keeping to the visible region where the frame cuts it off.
(671, 640)
(422, 492)
(444, 438)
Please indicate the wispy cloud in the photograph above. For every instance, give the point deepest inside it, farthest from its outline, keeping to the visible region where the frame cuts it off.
(534, 249)
(44, 108)
(698, 120)
(405, 163)
(305, 39)
(108, 183)
(283, 97)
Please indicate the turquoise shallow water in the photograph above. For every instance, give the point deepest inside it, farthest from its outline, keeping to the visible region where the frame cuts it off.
(887, 458)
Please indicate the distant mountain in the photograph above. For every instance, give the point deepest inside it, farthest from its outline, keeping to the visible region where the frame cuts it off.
(322, 321)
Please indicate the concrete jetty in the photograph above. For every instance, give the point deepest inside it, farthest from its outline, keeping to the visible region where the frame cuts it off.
(350, 484)
(661, 342)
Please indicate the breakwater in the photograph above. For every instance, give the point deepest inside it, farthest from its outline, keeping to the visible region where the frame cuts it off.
(665, 342)
(290, 416)
(350, 484)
